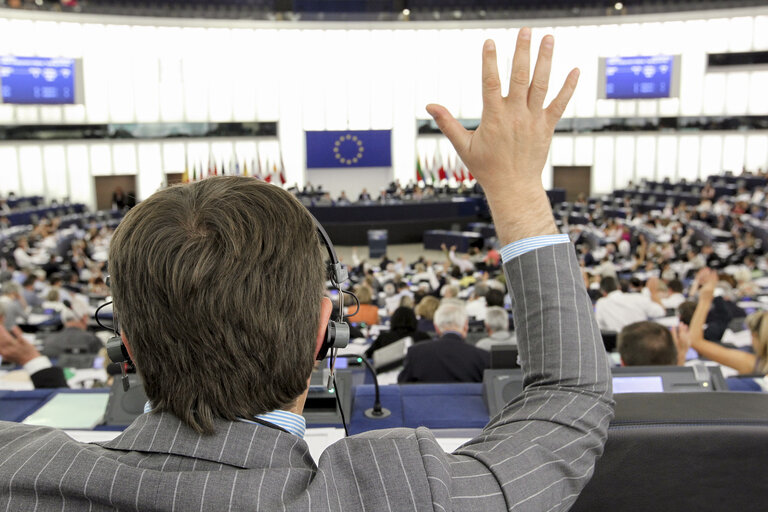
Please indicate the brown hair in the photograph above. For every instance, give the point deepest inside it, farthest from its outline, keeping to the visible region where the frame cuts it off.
(218, 286)
(647, 344)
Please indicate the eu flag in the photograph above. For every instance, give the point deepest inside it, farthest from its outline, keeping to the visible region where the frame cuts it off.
(370, 148)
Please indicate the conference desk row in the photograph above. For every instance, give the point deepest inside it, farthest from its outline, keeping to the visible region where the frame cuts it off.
(406, 221)
(459, 406)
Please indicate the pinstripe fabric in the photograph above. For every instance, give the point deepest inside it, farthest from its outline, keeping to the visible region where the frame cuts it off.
(536, 454)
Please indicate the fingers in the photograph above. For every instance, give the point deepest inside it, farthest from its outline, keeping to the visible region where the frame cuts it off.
(540, 81)
(451, 128)
(491, 82)
(557, 107)
(521, 66)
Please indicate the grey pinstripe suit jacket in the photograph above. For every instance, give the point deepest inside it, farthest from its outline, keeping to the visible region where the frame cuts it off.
(536, 454)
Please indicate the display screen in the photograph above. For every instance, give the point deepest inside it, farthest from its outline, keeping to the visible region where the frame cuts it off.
(639, 77)
(40, 80)
(638, 385)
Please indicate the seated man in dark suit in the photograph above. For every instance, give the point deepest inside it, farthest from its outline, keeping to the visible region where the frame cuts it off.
(17, 350)
(448, 358)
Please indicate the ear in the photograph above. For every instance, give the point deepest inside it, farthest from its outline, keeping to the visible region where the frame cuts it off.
(326, 308)
(127, 346)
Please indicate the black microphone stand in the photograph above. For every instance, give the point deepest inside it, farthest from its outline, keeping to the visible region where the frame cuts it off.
(377, 411)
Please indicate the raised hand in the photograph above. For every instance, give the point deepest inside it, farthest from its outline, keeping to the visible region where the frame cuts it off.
(508, 150)
(14, 348)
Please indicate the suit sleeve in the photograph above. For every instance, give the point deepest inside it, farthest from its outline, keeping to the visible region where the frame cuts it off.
(542, 447)
(52, 377)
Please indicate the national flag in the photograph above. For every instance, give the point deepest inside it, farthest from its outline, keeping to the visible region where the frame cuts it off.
(419, 172)
(471, 178)
(185, 174)
(282, 169)
(223, 167)
(245, 167)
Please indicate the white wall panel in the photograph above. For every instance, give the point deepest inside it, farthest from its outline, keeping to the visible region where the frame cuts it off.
(711, 155)
(561, 152)
(80, 180)
(336, 67)
(96, 60)
(383, 89)
(124, 158)
(757, 152)
(174, 160)
(9, 168)
(688, 158)
(51, 114)
(733, 153)
(101, 159)
(758, 98)
(666, 157)
(583, 150)
(760, 34)
(150, 177)
(603, 168)
(645, 158)
(196, 74)
(223, 66)
(737, 93)
(146, 74)
(268, 85)
(625, 161)
(740, 32)
(55, 167)
(714, 93)
(31, 165)
(245, 76)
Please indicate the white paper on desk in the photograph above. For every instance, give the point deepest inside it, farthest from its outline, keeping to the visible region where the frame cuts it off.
(738, 339)
(36, 318)
(71, 410)
(668, 321)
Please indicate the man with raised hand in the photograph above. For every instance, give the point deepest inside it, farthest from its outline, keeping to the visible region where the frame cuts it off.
(222, 309)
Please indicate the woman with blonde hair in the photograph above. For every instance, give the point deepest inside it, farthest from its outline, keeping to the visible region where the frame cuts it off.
(743, 362)
(368, 313)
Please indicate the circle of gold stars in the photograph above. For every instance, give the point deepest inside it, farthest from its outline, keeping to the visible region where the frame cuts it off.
(358, 146)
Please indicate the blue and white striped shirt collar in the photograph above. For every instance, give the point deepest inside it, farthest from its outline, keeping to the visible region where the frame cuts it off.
(293, 423)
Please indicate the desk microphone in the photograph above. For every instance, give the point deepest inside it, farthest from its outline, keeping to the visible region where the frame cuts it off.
(376, 412)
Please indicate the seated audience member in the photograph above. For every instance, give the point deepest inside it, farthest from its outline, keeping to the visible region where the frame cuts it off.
(402, 324)
(617, 309)
(743, 362)
(448, 358)
(476, 305)
(497, 326)
(14, 348)
(13, 305)
(31, 297)
(425, 312)
(368, 313)
(223, 312)
(74, 337)
(648, 344)
(464, 263)
(495, 298)
(675, 297)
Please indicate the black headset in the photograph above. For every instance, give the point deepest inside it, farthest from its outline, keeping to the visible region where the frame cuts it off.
(336, 333)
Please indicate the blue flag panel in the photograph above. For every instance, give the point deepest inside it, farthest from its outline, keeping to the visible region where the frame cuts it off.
(370, 148)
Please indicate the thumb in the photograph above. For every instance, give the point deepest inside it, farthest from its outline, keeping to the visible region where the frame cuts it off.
(450, 127)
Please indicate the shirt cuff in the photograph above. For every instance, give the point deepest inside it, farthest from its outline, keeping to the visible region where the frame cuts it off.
(520, 247)
(35, 365)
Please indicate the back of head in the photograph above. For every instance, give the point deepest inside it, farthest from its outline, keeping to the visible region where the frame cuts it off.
(676, 286)
(427, 306)
(496, 319)
(646, 344)
(364, 294)
(217, 286)
(481, 290)
(685, 311)
(494, 297)
(403, 319)
(451, 316)
(608, 285)
(10, 288)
